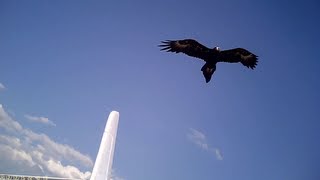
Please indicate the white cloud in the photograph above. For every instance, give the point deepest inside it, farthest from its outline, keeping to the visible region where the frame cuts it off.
(8, 123)
(42, 120)
(10, 140)
(218, 154)
(57, 150)
(114, 176)
(66, 171)
(24, 151)
(2, 87)
(17, 155)
(199, 139)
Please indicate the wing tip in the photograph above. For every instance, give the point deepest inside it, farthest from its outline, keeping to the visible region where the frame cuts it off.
(167, 45)
(251, 62)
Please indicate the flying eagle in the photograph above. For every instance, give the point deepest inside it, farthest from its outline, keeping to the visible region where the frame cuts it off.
(211, 56)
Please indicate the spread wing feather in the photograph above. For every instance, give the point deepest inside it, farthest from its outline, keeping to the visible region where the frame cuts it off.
(239, 55)
(188, 46)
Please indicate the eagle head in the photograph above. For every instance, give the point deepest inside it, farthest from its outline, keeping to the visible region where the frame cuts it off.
(217, 49)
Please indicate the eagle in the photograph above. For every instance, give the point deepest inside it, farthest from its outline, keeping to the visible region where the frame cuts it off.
(211, 57)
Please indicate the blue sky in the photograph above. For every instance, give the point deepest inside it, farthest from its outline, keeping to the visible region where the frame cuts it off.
(72, 62)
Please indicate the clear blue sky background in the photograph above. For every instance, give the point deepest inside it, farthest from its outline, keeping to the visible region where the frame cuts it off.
(75, 61)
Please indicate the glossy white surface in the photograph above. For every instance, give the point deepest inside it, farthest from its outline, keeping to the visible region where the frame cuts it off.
(103, 165)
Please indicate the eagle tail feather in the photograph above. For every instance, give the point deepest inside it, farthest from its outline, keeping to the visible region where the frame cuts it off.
(207, 71)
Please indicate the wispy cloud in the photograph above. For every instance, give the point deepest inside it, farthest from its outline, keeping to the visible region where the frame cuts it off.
(23, 150)
(42, 120)
(115, 176)
(218, 154)
(2, 87)
(199, 139)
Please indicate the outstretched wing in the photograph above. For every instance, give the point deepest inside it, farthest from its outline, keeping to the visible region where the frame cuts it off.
(188, 46)
(239, 55)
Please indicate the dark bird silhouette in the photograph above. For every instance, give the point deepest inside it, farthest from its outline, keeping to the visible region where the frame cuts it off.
(210, 56)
